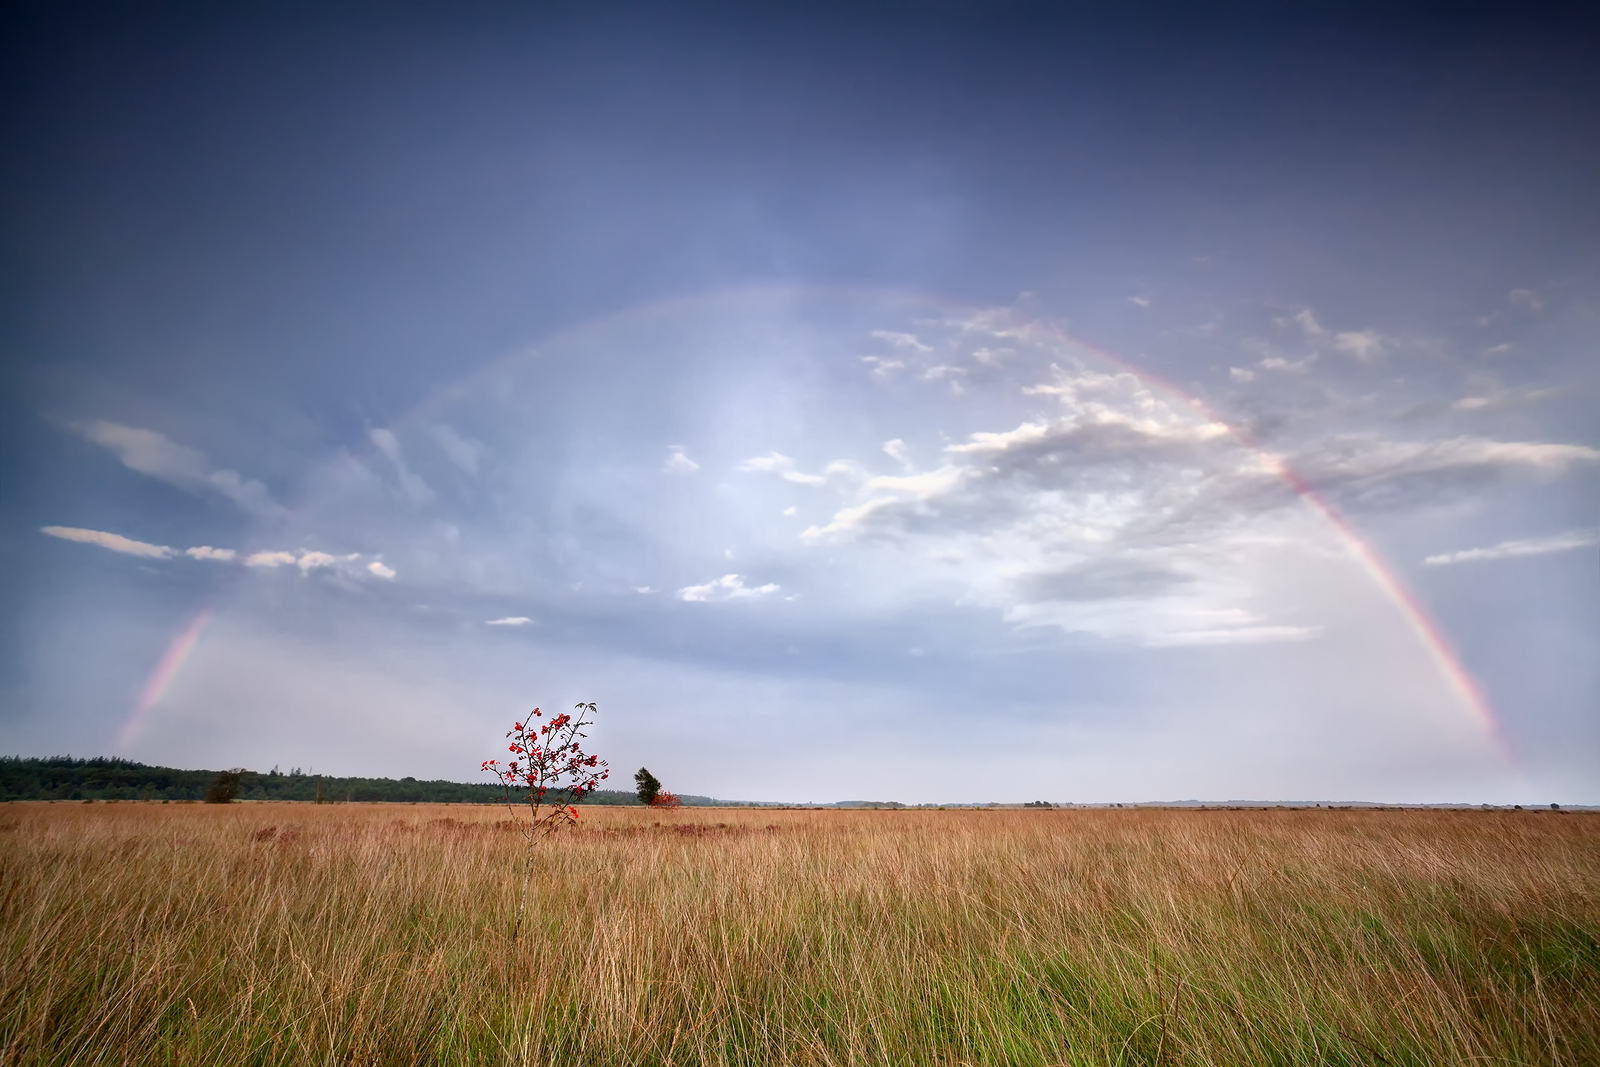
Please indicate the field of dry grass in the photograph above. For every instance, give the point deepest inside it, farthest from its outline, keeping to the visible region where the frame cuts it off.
(353, 934)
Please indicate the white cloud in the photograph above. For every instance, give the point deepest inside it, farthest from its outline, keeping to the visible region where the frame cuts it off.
(882, 368)
(728, 587)
(152, 454)
(904, 341)
(377, 568)
(510, 620)
(897, 449)
(791, 510)
(269, 559)
(1536, 546)
(783, 466)
(223, 555)
(934, 374)
(678, 461)
(1497, 350)
(992, 357)
(1285, 366)
(1241, 374)
(1142, 301)
(310, 561)
(115, 542)
(1365, 345)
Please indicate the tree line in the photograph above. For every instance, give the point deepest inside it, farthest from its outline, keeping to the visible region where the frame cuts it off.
(109, 778)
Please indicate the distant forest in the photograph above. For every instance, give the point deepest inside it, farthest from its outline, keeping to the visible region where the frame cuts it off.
(103, 778)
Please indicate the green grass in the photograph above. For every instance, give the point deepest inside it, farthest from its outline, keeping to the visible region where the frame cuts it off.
(378, 935)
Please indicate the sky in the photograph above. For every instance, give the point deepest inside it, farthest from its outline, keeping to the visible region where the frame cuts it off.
(931, 402)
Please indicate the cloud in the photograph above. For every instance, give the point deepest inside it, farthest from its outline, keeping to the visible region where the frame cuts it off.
(415, 489)
(1526, 299)
(463, 452)
(377, 569)
(728, 587)
(904, 341)
(783, 466)
(882, 368)
(1364, 345)
(1304, 321)
(115, 542)
(678, 461)
(222, 555)
(1241, 374)
(896, 449)
(310, 561)
(269, 559)
(1497, 350)
(152, 454)
(1142, 301)
(1537, 546)
(510, 620)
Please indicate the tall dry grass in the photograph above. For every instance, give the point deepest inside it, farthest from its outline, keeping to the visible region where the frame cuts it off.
(356, 934)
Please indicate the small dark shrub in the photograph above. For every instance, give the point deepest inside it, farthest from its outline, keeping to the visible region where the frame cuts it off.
(224, 787)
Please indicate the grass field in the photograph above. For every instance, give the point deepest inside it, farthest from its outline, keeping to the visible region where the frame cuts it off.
(355, 934)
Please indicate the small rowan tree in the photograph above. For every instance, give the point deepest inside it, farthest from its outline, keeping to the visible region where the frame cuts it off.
(648, 786)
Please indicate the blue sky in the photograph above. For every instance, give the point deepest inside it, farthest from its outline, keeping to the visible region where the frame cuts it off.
(947, 402)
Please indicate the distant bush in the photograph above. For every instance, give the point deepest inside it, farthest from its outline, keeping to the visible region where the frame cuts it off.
(224, 787)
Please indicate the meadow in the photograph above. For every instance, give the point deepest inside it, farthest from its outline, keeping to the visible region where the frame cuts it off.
(380, 934)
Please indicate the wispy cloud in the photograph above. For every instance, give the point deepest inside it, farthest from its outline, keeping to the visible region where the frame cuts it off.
(678, 461)
(464, 452)
(378, 570)
(510, 620)
(221, 555)
(728, 587)
(115, 542)
(417, 490)
(153, 454)
(1536, 546)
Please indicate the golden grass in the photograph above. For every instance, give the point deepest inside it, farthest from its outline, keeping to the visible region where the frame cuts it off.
(355, 934)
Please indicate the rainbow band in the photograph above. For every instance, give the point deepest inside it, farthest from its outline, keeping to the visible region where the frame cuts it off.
(166, 669)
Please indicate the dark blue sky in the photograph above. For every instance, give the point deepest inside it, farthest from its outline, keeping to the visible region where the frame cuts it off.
(809, 372)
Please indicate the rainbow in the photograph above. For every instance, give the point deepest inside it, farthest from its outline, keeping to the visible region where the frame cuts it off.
(166, 669)
(1443, 656)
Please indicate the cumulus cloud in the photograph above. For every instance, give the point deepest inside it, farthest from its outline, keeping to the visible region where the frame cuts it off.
(728, 587)
(310, 561)
(377, 569)
(1536, 546)
(115, 542)
(678, 461)
(153, 454)
(510, 620)
(222, 555)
